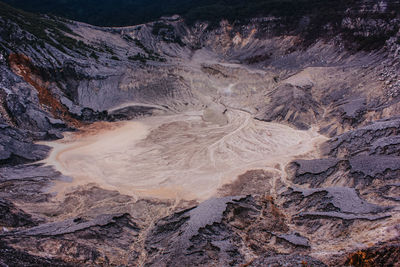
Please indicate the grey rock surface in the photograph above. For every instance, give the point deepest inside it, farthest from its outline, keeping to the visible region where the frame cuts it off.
(317, 166)
(286, 260)
(295, 239)
(294, 104)
(216, 231)
(362, 138)
(374, 166)
(343, 199)
(16, 147)
(71, 226)
(386, 146)
(342, 216)
(11, 216)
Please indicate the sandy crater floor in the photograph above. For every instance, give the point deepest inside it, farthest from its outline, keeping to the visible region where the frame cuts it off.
(176, 156)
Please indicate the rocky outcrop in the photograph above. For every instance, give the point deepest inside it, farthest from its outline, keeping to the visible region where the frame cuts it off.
(383, 254)
(286, 260)
(358, 169)
(226, 231)
(77, 241)
(12, 216)
(364, 139)
(14, 257)
(293, 104)
(365, 161)
(334, 203)
(16, 147)
(29, 223)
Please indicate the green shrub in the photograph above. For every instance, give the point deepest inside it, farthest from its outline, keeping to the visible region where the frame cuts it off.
(94, 55)
(46, 29)
(138, 57)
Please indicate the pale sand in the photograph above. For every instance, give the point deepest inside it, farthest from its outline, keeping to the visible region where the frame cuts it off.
(176, 157)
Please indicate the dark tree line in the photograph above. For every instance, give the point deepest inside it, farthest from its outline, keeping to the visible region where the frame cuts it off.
(131, 12)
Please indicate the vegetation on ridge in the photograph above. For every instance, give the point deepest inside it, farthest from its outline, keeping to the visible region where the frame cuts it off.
(306, 17)
(47, 30)
(132, 12)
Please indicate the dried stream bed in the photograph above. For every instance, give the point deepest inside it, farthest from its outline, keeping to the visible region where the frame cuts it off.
(178, 157)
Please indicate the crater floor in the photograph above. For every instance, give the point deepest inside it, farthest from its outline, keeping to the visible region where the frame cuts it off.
(176, 156)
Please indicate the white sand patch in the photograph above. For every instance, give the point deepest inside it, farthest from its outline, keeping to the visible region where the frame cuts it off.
(178, 157)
